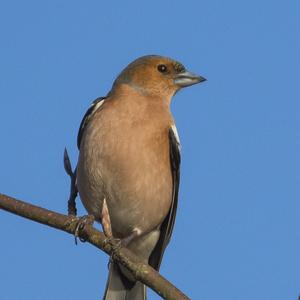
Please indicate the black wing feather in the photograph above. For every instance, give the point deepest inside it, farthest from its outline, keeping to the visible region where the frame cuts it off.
(168, 224)
(92, 109)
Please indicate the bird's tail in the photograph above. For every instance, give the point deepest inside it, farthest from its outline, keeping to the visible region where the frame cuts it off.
(118, 287)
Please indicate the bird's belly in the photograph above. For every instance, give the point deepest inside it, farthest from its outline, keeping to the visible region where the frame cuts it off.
(141, 206)
(136, 184)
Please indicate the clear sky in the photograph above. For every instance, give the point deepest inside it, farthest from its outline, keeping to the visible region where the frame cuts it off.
(237, 234)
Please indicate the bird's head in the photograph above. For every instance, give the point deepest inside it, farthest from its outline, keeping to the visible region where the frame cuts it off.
(157, 76)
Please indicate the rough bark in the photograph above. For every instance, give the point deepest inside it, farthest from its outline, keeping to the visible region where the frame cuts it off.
(140, 270)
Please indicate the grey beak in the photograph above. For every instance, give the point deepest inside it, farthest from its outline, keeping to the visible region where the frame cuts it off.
(187, 78)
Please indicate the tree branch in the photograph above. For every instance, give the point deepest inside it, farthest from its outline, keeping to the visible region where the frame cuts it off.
(141, 271)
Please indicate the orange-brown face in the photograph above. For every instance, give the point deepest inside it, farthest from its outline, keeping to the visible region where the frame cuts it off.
(157, 75)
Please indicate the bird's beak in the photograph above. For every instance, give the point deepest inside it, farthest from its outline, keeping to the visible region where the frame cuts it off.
(187, 78)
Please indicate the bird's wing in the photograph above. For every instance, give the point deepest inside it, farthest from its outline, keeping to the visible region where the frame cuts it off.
(168, 223)
(89, 113)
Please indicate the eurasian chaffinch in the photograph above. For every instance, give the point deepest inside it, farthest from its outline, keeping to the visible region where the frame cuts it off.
(128, 166)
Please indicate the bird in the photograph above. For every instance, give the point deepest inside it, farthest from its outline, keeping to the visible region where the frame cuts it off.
(128, 166)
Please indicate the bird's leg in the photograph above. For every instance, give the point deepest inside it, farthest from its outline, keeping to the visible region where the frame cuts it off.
(105, 220)
(106, 226)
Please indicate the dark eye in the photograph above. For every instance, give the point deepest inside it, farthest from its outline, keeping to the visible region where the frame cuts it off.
(162, 68)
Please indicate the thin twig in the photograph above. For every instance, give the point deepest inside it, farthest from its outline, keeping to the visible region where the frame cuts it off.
(72, 210)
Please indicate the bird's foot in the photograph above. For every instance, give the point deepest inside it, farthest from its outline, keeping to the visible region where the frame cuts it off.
(116, 244)
(113, 242)
(82, 222)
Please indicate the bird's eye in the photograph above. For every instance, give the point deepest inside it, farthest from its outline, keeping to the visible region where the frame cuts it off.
(162, 68)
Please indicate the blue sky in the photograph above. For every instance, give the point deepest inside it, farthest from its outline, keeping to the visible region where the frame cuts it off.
(237, 231)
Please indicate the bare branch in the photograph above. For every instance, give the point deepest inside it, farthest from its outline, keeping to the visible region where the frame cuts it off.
(140, 270)
(73, 188)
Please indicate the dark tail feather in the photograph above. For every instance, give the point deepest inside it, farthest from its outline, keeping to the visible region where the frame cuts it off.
(118, 287)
